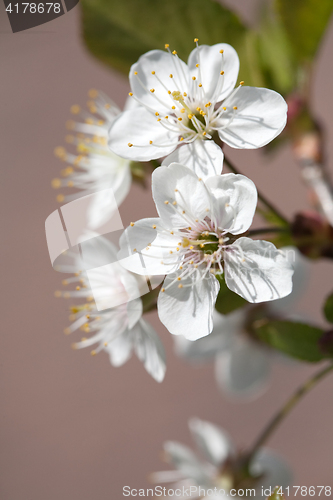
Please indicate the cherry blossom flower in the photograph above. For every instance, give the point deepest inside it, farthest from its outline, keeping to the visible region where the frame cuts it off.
(93, 167)
(218, 476)
(198, 235)
(120, 330)
(243, 363)
(186, 104)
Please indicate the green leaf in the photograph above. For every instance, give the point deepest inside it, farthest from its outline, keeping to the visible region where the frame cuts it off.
(305, 22)
(295, 339)
(328, 308)
(118, 32)
(227, 301)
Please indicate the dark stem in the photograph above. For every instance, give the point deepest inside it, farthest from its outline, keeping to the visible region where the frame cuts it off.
(267, 230)
(261, 197)
(286, 409)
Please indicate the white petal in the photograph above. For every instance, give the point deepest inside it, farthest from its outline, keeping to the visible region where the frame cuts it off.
(134, 312)
(235, 201)
(301, 275)
(257, 270)
(149, 349)
(244, 370)
(185, 461)
(222, 337)
(120, 349)
(189, 310)
(180, 185)
(163, 64)
(212, 441)
(275, 471)
(260, 116)
(146, 250)
(204, 157)
(212, 62)
(138, 126)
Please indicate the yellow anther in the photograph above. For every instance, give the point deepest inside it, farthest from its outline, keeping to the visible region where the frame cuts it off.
(201, 245)
(154, 227)
(78, 288)
(171, 251)
(204, 133)
(166, 117)
(107, 106)
(158, 119)
(191, 247)
(166, 202)
(150, 142)
(184, 94)
(194, 78)
(69, 139)
(180, 286)
(179, 278)
(174, 52)
(190, 117)
(166, 46)
(152, 90)
(200, 85)
(130, 94)
(169, 92)
(60, 152)
(156, 114)
(221, 72)
(56, 183)
(176, 190)
(235, 107)
(180, 119)
(197, 65)
(75, 109)
(196, 40)
(163, 290)
(105, 344)
(181, 139)
(171, 232)
(93, 93)
(173, 107)
(134, 250)
(171, 75)
(180, 267)
(198, 109)
(182, 110)
(70, 184)
(93, 353)
(224, 109)
(129, 144)
(192, 262)
(153, 72)
(174, 203)
(177, 249)
(60, 198)
(241, 83)
(183, 211)
(221, 51)
(132, 224)
(135, 72)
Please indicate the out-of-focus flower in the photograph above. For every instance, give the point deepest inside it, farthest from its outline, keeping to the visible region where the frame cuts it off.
(242, 362)
(222, 475)
(119, 330)
(313, 235)
(92, 166)
(186, 104)
(198, 236)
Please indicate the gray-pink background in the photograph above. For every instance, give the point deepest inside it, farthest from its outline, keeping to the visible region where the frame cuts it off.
(73, 427)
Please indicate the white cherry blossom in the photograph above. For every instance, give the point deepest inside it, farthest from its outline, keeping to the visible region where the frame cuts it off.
(185, 104)
(120, 330)
(218, 475)
(92, 167)
(197, 236)
(243, 363)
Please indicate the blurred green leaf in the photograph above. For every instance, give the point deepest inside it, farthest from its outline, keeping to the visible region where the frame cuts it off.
(227, 301)
(295, 339)
(328, 308)
(118, 32)
(277, 59)
(305, 22)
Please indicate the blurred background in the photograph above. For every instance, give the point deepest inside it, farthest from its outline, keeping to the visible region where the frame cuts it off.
(73, 427)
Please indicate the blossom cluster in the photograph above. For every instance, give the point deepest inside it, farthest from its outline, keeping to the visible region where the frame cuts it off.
(180, 114)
